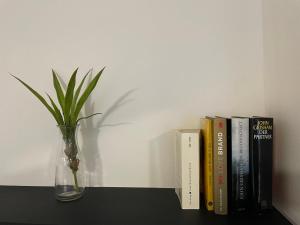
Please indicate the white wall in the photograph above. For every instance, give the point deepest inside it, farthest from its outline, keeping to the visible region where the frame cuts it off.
(282, 79)
(168, 63)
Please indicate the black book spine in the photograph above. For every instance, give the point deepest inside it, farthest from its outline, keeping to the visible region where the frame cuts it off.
(261, 148)
(229, 152)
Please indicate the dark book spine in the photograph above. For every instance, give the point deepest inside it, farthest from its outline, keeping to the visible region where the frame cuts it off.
(229, 146)
(261, 148)
(239, 165)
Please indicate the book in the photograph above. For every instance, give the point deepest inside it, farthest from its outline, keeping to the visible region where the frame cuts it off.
(187, 168)
(207, 131)
(220, 164)
(239, 165)
(261, 148)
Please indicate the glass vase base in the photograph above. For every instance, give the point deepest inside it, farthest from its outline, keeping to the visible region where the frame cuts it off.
(66, 194)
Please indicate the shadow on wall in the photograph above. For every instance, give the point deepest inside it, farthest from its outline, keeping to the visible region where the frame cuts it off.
(285, 194)
(90, 132)
(282, 179)
(162, 160)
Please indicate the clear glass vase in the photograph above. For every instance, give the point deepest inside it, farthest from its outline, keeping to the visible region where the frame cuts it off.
(70, 167)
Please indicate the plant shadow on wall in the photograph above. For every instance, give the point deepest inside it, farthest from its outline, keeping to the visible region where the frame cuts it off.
(90, 131)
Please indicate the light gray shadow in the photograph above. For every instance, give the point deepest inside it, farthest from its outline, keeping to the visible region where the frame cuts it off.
(90, 132)
(162, 160)
(121, 101)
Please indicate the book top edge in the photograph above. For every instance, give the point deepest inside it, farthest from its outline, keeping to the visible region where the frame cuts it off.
(189, 130)
(261, 117)
(207, 118)
(221, 117)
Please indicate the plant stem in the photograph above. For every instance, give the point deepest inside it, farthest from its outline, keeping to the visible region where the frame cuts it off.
(71, 152)
(75, 181)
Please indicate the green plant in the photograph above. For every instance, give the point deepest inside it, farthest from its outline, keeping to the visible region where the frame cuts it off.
(67, 117)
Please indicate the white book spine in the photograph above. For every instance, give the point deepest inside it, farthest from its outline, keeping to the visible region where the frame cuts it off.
(188, 169)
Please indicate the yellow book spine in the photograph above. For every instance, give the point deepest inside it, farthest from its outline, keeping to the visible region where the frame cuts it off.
(208, 164)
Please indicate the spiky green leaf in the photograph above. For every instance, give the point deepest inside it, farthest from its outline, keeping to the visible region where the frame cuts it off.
(57, 111)
(59, 91)
(42, 100)
(69, 96)
(85, 95)
(78, 92)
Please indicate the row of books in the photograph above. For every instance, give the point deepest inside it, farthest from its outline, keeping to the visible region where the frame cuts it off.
(230, 161)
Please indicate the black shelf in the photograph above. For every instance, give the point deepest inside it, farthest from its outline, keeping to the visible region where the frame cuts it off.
(113, 206)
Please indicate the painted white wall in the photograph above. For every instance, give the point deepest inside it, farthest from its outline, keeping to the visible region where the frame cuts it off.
(282, 78)
(168, 63)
